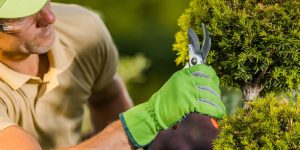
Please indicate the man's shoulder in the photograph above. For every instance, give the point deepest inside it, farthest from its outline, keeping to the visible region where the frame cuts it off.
(72, 11)
(78, 23)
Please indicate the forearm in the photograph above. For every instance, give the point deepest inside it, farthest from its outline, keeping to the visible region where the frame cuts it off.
(102, 115)
(112, 137)
(113, 102)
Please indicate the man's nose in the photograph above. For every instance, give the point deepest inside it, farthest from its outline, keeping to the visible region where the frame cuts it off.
(46, 16)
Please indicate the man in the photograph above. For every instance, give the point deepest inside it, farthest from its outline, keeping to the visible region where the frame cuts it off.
(54, 60)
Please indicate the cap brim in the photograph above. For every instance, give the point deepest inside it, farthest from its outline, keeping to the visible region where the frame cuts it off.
(21, 8)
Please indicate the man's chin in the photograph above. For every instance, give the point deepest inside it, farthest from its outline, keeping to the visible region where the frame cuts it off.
(42, 51)
(44, 46)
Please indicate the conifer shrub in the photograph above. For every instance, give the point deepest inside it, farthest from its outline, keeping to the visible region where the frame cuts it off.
(255, 47)
(268, 123)
(255, 43)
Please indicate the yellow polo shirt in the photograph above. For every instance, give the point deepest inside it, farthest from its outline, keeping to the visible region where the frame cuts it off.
(83, 60)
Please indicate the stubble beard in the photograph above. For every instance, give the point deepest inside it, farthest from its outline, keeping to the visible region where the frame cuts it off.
(39, 47)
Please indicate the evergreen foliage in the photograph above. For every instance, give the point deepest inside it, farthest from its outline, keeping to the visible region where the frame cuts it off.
(255, 43)
(255, 47)
(267, 123)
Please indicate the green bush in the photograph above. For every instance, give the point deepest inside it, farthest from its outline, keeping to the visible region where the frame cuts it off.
(255, 43)
(267, 123)
(255, 47)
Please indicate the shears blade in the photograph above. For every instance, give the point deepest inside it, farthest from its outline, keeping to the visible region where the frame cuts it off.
(193, 40)
(206, 42)
(197, 55)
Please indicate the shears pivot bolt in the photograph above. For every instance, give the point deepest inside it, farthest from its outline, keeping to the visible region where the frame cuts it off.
(194, 61)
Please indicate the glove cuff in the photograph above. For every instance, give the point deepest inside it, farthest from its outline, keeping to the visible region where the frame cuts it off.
(140, 125)
(128, 133)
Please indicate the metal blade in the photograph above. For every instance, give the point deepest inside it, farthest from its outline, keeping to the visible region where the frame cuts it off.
(193, 39)
(206, 43)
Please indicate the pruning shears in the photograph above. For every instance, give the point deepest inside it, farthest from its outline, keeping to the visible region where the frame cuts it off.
(197, 55)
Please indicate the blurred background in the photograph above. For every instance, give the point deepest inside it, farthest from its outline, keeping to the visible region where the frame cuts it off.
(144, 31)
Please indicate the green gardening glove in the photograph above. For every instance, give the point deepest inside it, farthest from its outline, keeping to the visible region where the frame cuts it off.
(193, 89)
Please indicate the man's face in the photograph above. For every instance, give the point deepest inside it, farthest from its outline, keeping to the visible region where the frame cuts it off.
(39, 37)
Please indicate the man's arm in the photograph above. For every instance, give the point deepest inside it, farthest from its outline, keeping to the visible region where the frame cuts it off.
(142, 123)
(112, 137)
(14, 137)
(106, 105)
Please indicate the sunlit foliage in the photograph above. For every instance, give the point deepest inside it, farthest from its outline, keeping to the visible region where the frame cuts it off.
(255, 43)
(268, 123)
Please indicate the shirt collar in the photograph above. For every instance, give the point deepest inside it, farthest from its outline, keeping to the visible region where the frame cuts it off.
(11, 77)
(60, 58)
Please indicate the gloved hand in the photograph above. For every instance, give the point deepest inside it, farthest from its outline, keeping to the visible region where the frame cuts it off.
(193, 89)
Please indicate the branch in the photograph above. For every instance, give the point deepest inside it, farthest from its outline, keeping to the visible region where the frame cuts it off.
(260, 77)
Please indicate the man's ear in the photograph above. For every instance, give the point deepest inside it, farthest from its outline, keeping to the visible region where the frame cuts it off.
(8, 42)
